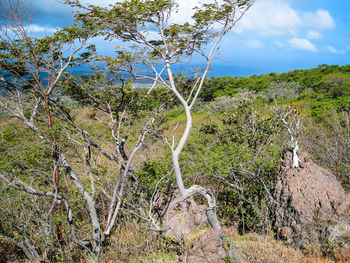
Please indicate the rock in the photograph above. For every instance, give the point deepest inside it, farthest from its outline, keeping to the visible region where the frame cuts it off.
(339, 233)
(309, 205)
(185, 217)
(211, 247)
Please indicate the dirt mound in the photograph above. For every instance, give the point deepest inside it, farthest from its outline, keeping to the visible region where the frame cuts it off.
(211, 247)
(309, 205)
(184, 217)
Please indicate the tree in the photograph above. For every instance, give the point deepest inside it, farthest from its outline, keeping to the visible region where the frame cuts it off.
(282, 90)
(30, 70)
(33, 81)
(32, 67)
(291, 121)
(120, 106)
(131, 21)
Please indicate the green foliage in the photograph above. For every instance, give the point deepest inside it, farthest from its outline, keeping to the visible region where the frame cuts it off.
(321, 108)
(241, 147)
(128, 19)
(324, 79)
(228, 86)
(19, 153)
(222, 104)
(234, 151)
(173, 114)
(341, 90)
(209, 128)
(21, 156)
(152, 177)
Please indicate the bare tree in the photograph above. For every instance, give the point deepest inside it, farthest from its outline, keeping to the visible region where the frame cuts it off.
(175, 43)
(330, 143)
(292, 122)
(32, 68)
(114, 103)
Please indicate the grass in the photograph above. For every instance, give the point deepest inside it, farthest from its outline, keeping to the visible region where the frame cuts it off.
(131, 243)
(255, 248)
(161, 257)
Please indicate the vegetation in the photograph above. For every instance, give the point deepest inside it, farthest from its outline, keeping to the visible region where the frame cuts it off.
(84, 158)
(234, 151)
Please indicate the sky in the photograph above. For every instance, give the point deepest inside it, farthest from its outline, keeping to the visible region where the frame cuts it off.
(273, 36)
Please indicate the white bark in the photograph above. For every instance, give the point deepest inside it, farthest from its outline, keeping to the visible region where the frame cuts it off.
(30, 251)
(295, 158)
(188, 105)
(291, 121)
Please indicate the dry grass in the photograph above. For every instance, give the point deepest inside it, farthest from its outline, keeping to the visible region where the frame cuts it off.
(134, 245)
(130, 243)
(255, 248)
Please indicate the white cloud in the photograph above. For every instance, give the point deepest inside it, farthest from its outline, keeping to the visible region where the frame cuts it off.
(333, 50)
(185, 9)
(313, 34)
(320, 19)
(277, 17)
(278, 44)
(301, 44)
(253, 44)
(272, 17)
(40, 29)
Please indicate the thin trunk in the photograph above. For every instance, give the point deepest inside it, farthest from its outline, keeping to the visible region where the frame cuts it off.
(186, 193)
(30, 251)
(295, 158)
(58, 208)
(184, 137)
(97, 254)
(211, 204)
(57, 175)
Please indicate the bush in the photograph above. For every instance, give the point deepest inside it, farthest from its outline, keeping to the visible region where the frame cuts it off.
(283, 90)
(222, 104)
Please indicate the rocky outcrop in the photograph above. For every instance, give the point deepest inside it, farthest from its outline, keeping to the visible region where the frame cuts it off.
(309, 205)
(185, 217)
(211, 247)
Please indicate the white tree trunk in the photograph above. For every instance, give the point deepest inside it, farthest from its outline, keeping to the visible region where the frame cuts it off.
(295, 158)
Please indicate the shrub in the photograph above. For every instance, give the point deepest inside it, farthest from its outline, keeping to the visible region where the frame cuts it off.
(282, 90)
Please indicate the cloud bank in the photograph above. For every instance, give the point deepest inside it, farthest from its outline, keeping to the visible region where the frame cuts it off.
(277, 17)
(301, 44)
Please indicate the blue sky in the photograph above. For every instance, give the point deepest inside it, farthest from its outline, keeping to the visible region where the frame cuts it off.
(274, 36)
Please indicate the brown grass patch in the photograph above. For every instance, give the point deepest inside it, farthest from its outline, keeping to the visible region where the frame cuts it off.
(255, 248)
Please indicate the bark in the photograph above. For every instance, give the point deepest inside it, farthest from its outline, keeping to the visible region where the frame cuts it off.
(296, 160)
(30, 251)
(211, 204)
(55, 161)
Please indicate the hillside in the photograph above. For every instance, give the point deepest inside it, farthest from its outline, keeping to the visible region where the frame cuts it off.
(234, 150)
